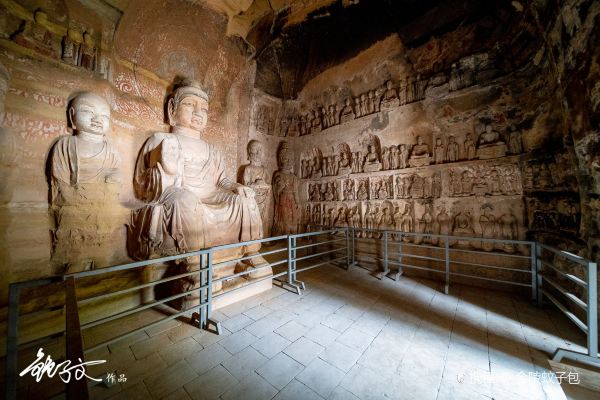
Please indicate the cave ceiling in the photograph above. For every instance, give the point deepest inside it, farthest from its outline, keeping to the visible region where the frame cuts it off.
(293, 44)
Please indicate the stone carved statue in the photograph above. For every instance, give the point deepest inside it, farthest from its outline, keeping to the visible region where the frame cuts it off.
(191, 204)
(390, 97)
(364, 107)
(348, 191)
(442, 223)
(85, 184)
(357, 109)
(385, 158)
(372, 150)
(357, 162)
(255, 177)
(71, 46)
(345, 159)
(316, 122)
(469, 147)
(347, 113)
(463, 224)
(35, 34)
(407, 222)
(515, 145)
(363, 190)
(490, 144)
(436, 190)
(439, 151)
(285, 191)
(487, 221)
(89, 53)
(508, 230)
(394, 160)
(420, 154)
(403, 156)
(452, 151)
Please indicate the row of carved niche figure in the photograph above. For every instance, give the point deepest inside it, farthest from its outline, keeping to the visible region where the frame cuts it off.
(395, 157)
(378, 188)
(389, 216)
(559, 174)
(76, 48)
(373, 101)
(485, 180)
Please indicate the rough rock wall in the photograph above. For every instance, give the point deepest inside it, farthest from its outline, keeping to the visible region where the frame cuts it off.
(571, 34)
(137, 57)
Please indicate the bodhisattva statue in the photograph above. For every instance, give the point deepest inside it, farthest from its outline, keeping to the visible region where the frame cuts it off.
(191, 204)
(285, 190)
(84, 184)
(255, 177)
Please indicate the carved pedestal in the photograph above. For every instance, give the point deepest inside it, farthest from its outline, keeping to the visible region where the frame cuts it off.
(491, 151)
(419, 161)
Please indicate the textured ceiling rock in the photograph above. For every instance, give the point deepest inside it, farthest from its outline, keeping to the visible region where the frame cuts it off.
(293, 50)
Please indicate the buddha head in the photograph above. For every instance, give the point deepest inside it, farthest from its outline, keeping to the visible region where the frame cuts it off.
(284, 157)
(188, 108)
(90, 114)
(255, 152)
(40, 17)
(388, 85)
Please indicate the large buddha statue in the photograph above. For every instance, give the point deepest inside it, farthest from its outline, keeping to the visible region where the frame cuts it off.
(84, 184)
(191, 204)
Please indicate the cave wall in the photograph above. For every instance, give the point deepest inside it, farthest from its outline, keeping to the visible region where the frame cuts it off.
(141, 52)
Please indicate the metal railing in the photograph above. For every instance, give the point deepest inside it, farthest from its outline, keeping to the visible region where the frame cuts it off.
(575, 280)
(293, 248)
(522, 265)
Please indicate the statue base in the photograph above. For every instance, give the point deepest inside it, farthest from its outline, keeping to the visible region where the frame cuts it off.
(491, 151)
(389, 104)
(419, 161)
(374, 167)
(345, 171)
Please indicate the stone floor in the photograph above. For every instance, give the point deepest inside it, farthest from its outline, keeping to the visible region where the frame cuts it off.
(350, 336)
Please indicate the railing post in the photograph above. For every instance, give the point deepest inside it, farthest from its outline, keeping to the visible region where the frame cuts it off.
(592, 309)
(447, 257)
(348, 250)
(12, 342)
(538, 273)
(202, 292)
(386, 267)
(209, 289)
(290, 258)
(78, 388)
(400, 269)
(534, 288)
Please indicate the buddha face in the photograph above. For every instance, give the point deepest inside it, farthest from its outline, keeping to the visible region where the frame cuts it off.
(255, 152)
(190, 111)
(91, 114)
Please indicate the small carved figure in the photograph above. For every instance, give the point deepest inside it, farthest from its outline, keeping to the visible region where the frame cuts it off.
(316, 122)
(463, 224)
(487, 221)
(452, 151)
(347, 113)
(35, 34)
(348, 190)
(71, 46)
(394, 160)
(335, 114)
(469, 147)
(544, 180)
(528, 177)
(490, 144)
(385, 160)
(508, 230)
(515, 145)
(357, 109)
(420, 154)
(364, 107)
(466, 183)
(407, 222)
(89, 53)
(363, 191)
(371, 102)
(417, 187)
(436, 190)
(255, 177)
(438, 151)
(403, 156)
(390, 97)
